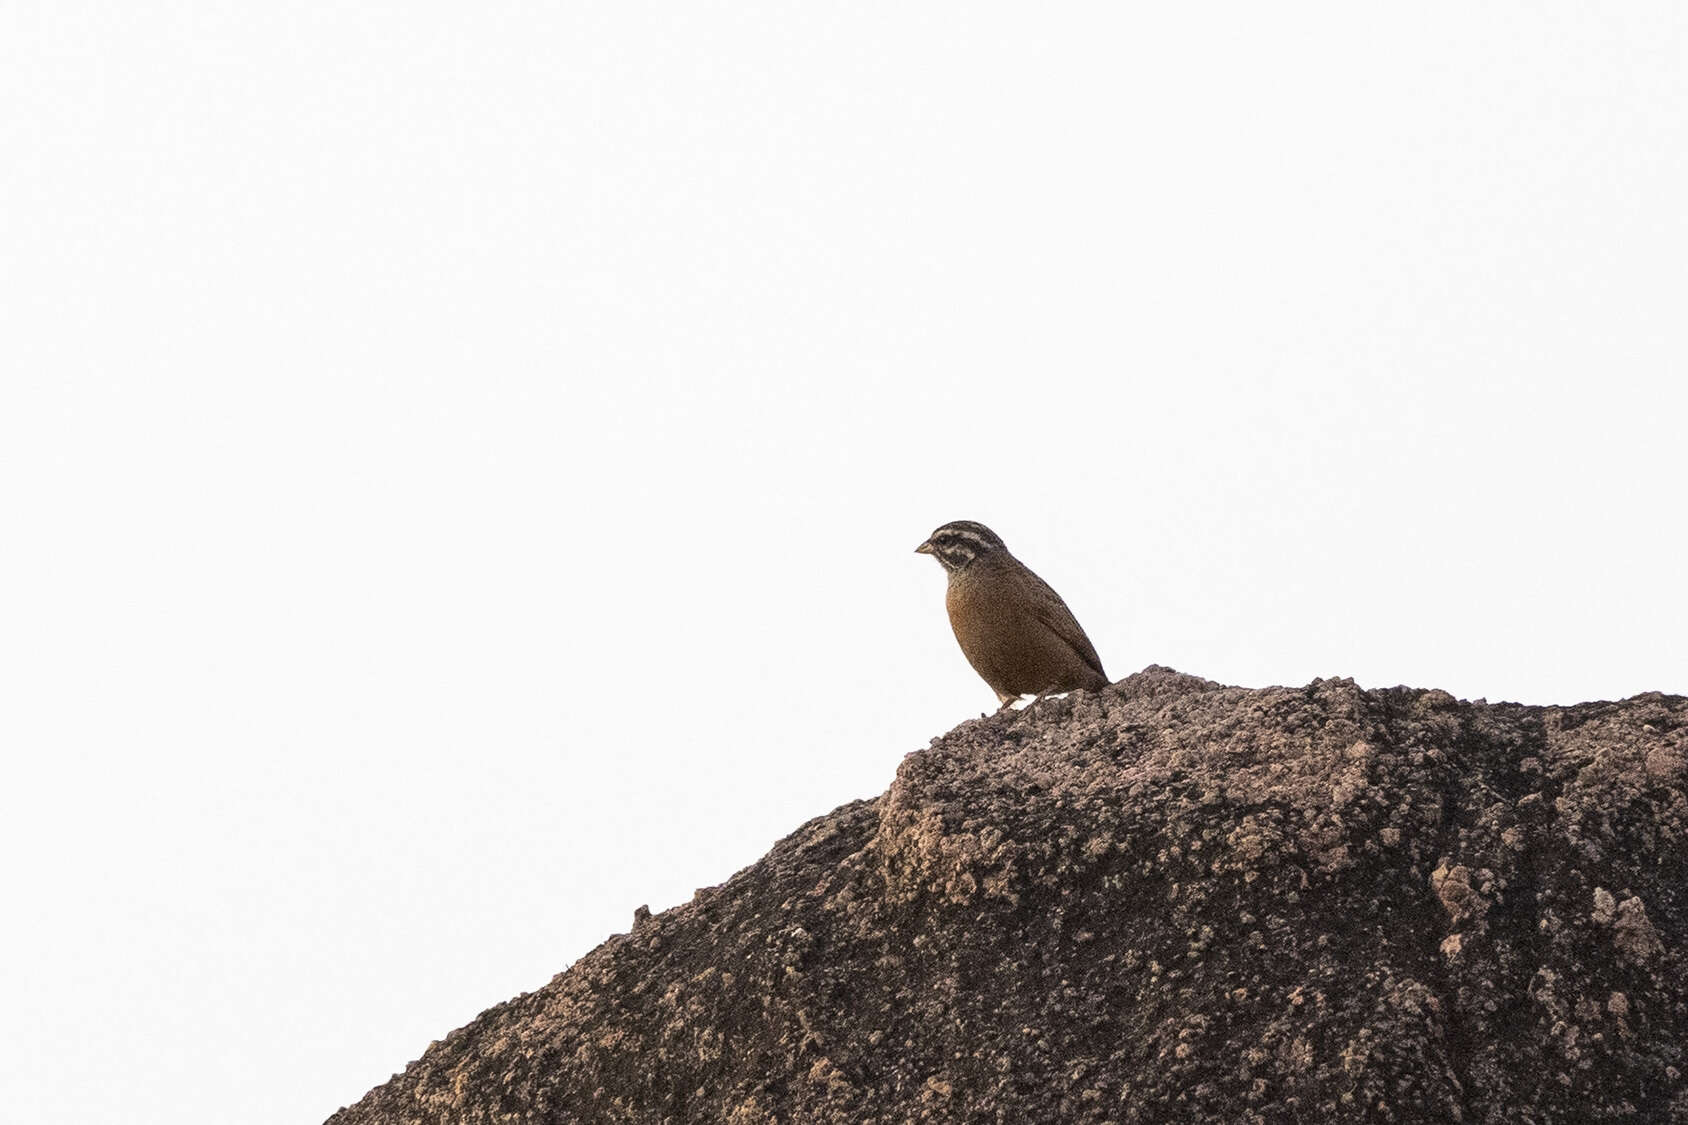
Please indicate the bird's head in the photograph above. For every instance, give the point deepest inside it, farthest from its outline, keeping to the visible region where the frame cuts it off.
(955, 545)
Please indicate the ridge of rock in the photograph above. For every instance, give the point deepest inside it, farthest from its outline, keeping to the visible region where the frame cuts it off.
(1166, 901)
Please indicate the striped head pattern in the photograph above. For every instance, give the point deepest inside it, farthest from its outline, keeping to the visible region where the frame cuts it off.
(957, 544)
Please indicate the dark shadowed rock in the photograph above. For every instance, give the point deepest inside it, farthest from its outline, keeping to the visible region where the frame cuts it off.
(1166, 901)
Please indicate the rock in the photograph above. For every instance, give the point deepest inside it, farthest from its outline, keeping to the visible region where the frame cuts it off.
(1165, 901)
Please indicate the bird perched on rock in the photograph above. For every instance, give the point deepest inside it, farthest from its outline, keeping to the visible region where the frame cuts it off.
(1016, 632)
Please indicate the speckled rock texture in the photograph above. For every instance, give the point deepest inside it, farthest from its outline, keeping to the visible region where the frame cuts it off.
(1167, 901)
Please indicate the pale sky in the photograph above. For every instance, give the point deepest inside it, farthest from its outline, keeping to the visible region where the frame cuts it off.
(462, 462)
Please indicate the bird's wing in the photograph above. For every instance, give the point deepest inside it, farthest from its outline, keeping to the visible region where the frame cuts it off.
(1053, 613)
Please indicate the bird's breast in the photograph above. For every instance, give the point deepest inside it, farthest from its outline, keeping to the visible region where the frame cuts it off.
(983, 614)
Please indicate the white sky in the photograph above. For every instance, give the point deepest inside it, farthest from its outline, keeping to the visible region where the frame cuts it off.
(462, 463)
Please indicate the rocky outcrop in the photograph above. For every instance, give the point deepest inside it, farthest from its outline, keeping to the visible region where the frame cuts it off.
(1165, 901)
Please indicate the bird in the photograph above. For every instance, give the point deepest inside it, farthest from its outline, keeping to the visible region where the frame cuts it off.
(1013, 628)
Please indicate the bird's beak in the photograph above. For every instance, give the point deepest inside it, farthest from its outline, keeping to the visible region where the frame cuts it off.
(925, 548)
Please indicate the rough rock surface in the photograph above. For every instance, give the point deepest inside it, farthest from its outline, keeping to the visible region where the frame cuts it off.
(1165, 901)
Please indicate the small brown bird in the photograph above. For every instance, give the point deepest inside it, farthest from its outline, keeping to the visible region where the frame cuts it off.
(1016, 632)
